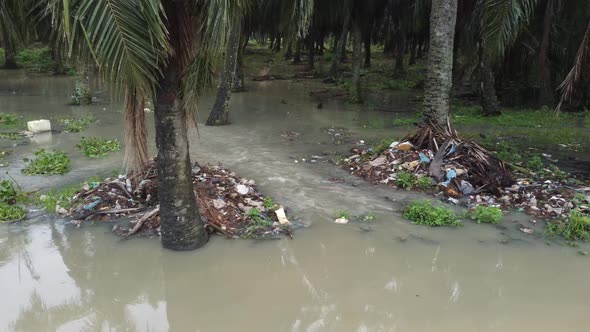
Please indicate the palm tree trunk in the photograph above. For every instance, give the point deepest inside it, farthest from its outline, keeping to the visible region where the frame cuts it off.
(355, 85)
(488, 99)
(9, 55)
(310, 53)
(297, 57)
(439, 77)
(219, 115)
(339, 48)
(399, 57)
(181, 227)
(238, 75)
(57, 57)
(368, 48)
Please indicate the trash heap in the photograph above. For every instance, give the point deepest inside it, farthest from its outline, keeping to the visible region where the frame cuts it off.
(228, 204)
(544, 196)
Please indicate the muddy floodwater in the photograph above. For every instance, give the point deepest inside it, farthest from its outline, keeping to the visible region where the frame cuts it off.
(387, 275)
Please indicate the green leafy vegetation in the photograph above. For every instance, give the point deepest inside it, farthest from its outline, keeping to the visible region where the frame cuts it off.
(486, 214)
(97, 147)
(398, 84)
(8, 120)
(269, 203)
(342, 214)
(424, 182)
(368, 217)
(8, 192)
(47, 163)
(405, 180)
(382, 146)
(36, 60)
(257, 218)
(72, 125)
(11, 213)
(425, 213)
(575, 227)
(64, 197)
(535, 163)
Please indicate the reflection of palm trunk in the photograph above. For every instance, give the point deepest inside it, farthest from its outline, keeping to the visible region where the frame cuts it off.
(238, 75)
(181, 227)
(219, 115)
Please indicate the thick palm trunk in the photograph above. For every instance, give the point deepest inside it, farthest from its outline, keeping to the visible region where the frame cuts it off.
(181, 227)
(488, 98)
(310, 53)
(399, 56)
(297, 57)
(219, 115)
(59, 68)
(439, 77)
(355, 85)
(340, 48)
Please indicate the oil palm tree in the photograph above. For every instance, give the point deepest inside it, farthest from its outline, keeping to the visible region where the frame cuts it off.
(161, 49)
(14, 25)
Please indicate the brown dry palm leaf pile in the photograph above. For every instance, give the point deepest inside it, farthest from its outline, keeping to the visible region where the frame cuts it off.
(228, 204)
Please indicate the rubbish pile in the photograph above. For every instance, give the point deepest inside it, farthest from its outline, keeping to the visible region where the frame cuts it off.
(536, 195)
(228, 204)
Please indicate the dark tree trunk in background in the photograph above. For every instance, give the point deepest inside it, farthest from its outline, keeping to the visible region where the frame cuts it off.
(238, 75)
(277, 46)
(413, 53)
(9, 55)
(181, 227)
(289, 52)
(339, 48)
(399, 55)
(355, 84)
(297, 57)
(219, 115)
(439, 78)
(368, 48)
(57, 57)
(310, 53)
(488, 99)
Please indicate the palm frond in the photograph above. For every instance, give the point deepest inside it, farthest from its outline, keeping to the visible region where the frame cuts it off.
(580, 65)
(503, 21)
(126, 38)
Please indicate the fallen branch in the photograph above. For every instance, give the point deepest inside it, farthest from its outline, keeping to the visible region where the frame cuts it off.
(142, 220)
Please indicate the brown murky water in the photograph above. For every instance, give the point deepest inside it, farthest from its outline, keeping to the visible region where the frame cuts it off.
(388, 275)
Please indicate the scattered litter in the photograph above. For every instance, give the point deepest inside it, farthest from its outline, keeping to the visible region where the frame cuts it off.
(341, 220)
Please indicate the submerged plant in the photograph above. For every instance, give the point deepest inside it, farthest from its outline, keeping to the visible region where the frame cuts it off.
(72, 125)
(425, 213)
(486, 214)
(11, 136)
(47, 163)
(96, 147)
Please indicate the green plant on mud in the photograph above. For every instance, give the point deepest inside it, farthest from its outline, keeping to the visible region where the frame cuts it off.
(425, 213)
(257, 218)
(575, 227)
(486, 214)
(8, 120)
(368, 217)
(382, 146)
(64, 197)
(342, 214)
(11, 213)
(72, 125)
(406, 180)
(8, 192)
(535, 163)
(97, 147)
(269, 203)
(47, 163)
(424, 182)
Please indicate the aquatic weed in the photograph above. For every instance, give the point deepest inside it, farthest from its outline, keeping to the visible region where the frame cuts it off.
(73, 125)
(486, 214)
(11, 213)
(8, 120)
(47, 163)
(97, 147)
(423, 212)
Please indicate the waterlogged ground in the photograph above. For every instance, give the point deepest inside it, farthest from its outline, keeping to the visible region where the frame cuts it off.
(388, 275)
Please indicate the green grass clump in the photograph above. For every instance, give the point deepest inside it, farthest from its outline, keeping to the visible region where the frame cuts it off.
(8, 192)
(11, 213)
(8, 120)
(424, 182)
(382, 146)
(535, 163)
(64, 197)
(398, 84)
(47, 163)
(486, 214)
(508, 152)
(72, 125)
(36, 60)
(269, 203)
(425, 213)
(97, 147)
(577, 227)
(257, 218)
(405, 180)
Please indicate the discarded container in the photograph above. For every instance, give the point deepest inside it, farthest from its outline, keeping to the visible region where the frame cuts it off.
(405, 146)
(282, 216)
(39, 126)
(342, 220)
